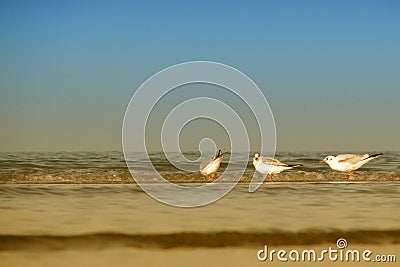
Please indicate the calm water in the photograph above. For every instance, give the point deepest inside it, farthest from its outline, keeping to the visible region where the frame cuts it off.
(73, 197)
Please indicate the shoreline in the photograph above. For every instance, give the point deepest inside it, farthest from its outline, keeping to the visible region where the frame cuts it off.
(178, 182)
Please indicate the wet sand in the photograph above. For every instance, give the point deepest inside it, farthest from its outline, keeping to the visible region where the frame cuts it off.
(177, 257)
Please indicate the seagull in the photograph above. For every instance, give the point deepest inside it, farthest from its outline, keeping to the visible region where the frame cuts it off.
(270, 166)
(209, 167)
(348, 162)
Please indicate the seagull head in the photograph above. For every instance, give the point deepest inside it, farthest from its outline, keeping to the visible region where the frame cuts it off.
(327, 159)
(257, 156)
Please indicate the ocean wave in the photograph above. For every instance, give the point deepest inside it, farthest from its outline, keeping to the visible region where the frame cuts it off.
(196, 239)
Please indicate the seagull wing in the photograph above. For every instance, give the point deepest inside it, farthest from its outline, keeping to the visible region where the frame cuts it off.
(352, 158)
(205, 163)
(273, 162)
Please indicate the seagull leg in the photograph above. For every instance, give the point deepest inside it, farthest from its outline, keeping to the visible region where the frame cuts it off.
(270, 177)
(349, 174)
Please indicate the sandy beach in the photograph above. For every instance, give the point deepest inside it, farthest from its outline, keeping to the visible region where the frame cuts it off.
(174, 257)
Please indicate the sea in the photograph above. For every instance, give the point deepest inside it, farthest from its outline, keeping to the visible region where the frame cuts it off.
(62, 200)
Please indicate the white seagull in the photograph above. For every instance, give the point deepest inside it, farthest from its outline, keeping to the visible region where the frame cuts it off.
(209, 167)
(348, 162)
(270, 166)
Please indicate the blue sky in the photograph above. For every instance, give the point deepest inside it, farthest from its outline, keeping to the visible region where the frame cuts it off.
(330, 69)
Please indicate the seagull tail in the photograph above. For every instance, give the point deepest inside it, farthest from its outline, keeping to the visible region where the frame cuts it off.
(374, 156)
(295, 165)
(219, 154)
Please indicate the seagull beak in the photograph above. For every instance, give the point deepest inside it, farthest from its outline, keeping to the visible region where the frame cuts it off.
(322, 160)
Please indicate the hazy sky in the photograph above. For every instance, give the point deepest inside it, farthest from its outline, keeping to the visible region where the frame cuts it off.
(330, 69)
